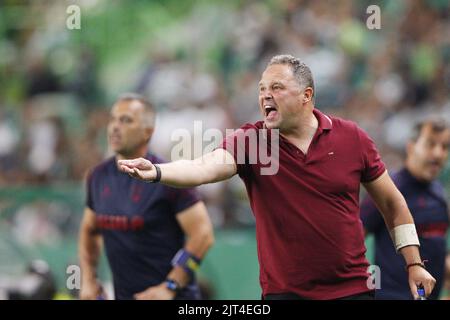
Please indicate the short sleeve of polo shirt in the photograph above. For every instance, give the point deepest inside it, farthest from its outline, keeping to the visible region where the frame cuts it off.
(237, 145)
(182, 198)
(373, 166)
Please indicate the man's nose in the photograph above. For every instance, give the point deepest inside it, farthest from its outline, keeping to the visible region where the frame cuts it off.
(114, 126)
(268, 95)
(439, 152)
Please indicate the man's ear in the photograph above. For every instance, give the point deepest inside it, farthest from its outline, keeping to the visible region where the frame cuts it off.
(308, 95)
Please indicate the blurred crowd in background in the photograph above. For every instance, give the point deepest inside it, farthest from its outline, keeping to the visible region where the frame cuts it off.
(201, 61)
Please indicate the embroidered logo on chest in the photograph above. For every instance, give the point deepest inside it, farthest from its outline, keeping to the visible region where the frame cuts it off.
(106, 191)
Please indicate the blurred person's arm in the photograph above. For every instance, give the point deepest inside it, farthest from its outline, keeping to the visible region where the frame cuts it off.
(89, 247)
(197, 227)
(215, 166)
(394, 209)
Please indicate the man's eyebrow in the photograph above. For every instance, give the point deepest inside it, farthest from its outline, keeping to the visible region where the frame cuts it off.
(271, 83)
(126, 116)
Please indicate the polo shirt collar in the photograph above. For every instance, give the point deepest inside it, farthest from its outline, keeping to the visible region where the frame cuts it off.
(325, 122)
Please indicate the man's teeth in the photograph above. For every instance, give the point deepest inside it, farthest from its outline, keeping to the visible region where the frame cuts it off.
(268, 109)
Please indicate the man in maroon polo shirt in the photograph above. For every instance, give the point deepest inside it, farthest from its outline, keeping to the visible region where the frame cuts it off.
(303, 170)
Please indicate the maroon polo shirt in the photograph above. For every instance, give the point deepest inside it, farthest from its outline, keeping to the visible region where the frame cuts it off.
(309, 234)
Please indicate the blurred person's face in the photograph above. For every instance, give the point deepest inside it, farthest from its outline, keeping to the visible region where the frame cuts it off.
(128, 134)
(428, 155)
(280, 97)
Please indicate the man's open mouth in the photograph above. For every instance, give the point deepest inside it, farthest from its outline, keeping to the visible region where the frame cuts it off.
(269, 109)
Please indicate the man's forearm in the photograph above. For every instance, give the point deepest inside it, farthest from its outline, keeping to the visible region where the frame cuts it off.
(89, 253)
(397, 217)
(192, 173)
(183, 173)
(389, 201)
(198, 246)
(411, 254)
(401, 227)
(396, 213)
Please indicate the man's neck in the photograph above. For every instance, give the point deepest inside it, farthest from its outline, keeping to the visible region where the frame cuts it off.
(142, 152)
(413, 172)
(305, 130)
(302, 135)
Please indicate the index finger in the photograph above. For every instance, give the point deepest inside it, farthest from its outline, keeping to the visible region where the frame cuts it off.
(128, 162)
(125, 169)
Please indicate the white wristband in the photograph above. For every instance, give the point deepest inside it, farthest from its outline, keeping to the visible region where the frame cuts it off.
(404, 235)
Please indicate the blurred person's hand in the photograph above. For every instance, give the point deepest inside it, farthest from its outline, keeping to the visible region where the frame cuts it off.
(159, 292)
(91, 290)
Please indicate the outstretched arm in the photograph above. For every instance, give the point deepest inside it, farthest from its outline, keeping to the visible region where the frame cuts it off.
(215, 166)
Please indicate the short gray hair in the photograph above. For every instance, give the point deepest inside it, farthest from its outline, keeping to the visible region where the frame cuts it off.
(149, 110)
(300, 70)
(436, 123)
